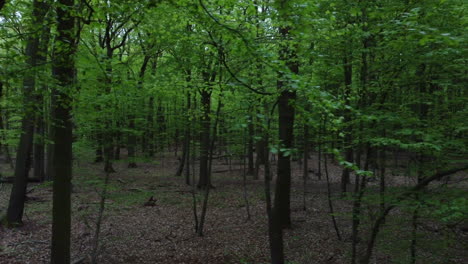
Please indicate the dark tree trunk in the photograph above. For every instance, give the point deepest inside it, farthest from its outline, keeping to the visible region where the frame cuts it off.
(319, 154)
(414, 235)
(99, 153)
(1, 122)
(108, 133)
(204, 179)
(23, 155)
(286, 113)
(39, 146)
(63, 71)
(275, 231)
(117, 146)
(250, 148)
(182, 160)
(359, 189)
(49, 173)
(329, 198)
(188, 134)
(148, 146)
(210, 160)
(132, 139)
(22, 167)
(39, 154)
(305, 165)
(260, 157)
(345, 179)
(283, 181)
(382, 182)
(161, 123)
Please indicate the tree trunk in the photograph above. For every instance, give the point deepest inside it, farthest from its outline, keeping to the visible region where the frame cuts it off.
(345, 179)
(23, 155)
(49, 174)
(39, 154)
(250, 147)
(63, 71)
(286, 113)
(188, 134)
(132, 139)
(108, 133)
(275, 231)
(305, 165)
(39, 146)
(329, 198)
(204, 179)
(1, 122)
(182, 160)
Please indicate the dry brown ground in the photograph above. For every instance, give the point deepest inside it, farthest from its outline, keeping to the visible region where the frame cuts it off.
(134, 233)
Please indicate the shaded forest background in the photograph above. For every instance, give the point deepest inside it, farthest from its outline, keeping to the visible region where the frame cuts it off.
(231, 131)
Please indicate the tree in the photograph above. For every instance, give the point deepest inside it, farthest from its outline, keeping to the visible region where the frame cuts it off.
(23, 156)
(63, 70)
(286, 114)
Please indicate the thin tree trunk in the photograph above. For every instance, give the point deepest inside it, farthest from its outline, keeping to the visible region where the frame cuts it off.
(250, 147)
(108, 133)
(244, 179)
(2, 147)
(188, 139)
(210, 160)
(348, 74)
(305, 168)
(99, 152)
(414, 234)
(149, 135)
(360, 186)
(39, 154)
(194, 191)
(319, 158)
(382, 184)
(49, 174)
(275, 230)
(39, 145)
(132, 138)
(330, 203)
(97, 231)
(204, 181)
(182, 160)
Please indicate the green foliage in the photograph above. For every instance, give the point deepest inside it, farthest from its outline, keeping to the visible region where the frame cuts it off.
(141, 67)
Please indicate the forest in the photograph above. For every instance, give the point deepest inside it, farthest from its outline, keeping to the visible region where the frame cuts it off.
(233, 131)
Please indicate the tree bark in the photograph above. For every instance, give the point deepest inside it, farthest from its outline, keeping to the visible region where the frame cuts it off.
(305, 168)
(286, 113)
(204, 180)
(23, 155)
(275, 231)
(39, 146)
(250, 147)
(345, 176)
(63, 71)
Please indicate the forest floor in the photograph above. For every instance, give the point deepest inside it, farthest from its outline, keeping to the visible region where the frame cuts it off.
(164, 233)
